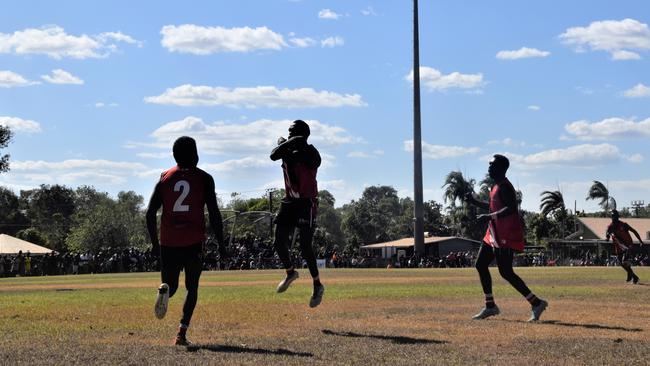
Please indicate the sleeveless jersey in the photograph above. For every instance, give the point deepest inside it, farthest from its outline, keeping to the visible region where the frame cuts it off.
(299, 180)
(183, 197)
(620, 236)
(504, 232)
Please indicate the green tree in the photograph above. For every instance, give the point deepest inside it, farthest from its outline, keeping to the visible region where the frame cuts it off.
(367, 220)
(5, 139)
(328, 232)
(551, 202)
(101, 222)
(12, 218)
(598, 191)
(50, 209)
(462, 218)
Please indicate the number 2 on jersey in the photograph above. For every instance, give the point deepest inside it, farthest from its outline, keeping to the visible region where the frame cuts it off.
(182, 186)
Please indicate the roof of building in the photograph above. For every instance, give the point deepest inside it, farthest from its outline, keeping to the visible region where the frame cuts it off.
(409, 242)
(598, 226)
(11, 245)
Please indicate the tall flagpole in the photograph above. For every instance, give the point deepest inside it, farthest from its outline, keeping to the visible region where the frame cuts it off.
(418, 226)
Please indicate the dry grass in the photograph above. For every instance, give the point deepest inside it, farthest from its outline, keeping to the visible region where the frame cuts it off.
(367, 317)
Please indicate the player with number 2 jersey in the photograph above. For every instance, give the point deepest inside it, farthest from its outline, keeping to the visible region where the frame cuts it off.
(183, 192)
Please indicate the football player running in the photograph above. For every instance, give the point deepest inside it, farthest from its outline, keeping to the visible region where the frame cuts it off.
(624, 248)
(183, 192)
(504, 237)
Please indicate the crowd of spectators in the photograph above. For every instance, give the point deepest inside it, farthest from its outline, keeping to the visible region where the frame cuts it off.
(256, 253)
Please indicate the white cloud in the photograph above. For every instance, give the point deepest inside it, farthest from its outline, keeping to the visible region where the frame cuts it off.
(250, 139)
(440, 151)
(60, 76)
(585, 90)
(638, 91)
(523, 52)
(578, 156)
(618, 37)
(158, 155)
(261, 96)
(198, 40)
(332, 42)
(76, 171)
(508, 142)
(534, 108)
(625, 55)
(368, 11)
(9, 79)
(248, 162)
(328, 14)
(303, 42)
(366, 155)
(20, 125)
(55, 43)
(609, 129)
(434, 80)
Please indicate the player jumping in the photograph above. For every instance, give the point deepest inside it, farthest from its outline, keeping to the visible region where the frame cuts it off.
(183, 191)
(300, 162)
(619, 231)
(503, 237)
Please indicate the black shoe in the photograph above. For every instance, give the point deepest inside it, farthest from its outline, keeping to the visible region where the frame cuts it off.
(317, 296)
(635, 280)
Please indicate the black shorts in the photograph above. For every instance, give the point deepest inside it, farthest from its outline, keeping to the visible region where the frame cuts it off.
(627, 255)
(174, 259)
(297, 212)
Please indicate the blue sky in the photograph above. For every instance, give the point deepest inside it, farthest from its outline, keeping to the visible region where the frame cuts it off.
(97, 91)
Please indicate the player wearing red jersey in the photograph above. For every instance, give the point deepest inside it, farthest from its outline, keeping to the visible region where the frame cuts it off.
(503, 237)
(183, 192)
(624, 247)
(300, 162)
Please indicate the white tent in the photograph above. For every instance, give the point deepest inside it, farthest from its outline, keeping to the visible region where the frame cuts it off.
(11, 245)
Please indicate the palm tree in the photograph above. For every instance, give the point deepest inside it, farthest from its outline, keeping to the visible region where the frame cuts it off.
(456, 187)
(551, 202)
(599, 191)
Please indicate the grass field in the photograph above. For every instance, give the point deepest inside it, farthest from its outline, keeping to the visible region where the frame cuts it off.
(369, 317)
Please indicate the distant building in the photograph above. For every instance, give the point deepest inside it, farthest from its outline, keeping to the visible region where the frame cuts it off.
(435, 246)
(591, 236)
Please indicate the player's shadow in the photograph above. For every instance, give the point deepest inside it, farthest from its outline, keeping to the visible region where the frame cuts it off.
(224, 348)
(579, 325)
(394, 339)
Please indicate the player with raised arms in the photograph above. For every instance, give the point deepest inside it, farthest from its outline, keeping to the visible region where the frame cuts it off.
(183, 191)
(504, 237)
(624, 247)
(300, 162)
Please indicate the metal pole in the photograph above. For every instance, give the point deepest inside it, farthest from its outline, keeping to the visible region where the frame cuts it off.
(271, 214)
(418, 226)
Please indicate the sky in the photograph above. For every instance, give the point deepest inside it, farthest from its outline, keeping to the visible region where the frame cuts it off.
(96, 92)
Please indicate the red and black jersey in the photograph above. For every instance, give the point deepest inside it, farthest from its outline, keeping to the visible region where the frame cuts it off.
(506, 231)
(300, 173)
(182, 191)
(621, 237)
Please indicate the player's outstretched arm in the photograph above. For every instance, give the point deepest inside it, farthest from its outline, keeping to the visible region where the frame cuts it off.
(155, 202)
(636, 233)
(216, 222)
(469, 198)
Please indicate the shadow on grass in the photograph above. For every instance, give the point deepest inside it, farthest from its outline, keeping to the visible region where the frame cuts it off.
(578, 325)
(394, 339)
(223, 348)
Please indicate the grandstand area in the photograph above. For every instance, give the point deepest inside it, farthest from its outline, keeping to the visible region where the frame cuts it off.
(369, 316)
